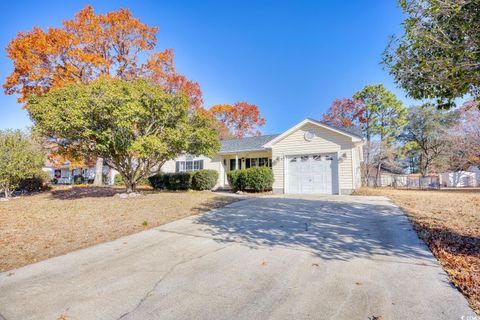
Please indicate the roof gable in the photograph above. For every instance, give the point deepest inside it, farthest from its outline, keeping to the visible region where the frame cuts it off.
(354, 137)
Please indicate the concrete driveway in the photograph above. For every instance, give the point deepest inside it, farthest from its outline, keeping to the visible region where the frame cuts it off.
(340, 257)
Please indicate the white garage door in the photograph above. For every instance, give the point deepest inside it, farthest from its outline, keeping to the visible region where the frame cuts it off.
(310, 174)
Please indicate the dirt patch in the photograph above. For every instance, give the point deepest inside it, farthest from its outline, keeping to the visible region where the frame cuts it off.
(449, 223)
(37, 227)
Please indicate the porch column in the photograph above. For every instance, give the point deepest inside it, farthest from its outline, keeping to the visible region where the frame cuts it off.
(236, 161)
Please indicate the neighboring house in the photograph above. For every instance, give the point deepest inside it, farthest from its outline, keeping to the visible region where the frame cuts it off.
(64, 173)
(459, 179)
(309, 158)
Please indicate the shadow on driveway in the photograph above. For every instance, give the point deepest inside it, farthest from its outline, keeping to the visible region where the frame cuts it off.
(330, 229)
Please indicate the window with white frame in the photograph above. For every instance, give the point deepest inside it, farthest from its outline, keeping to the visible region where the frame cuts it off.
(188, 165)
(258, 162)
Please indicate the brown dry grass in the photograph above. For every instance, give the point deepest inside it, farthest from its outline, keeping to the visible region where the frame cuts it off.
(37, 227)
(449, 223)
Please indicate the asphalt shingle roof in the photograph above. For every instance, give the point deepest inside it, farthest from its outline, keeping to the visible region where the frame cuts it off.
(245, 144)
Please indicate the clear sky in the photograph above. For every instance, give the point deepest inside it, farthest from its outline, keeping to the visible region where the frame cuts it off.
(291, 58)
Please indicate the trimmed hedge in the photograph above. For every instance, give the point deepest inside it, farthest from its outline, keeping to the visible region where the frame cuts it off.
(158, 181)
(259, 179)
(179, 181)
(171, 181)
(237, 180)
(204, 179)
(255, 179)
(198, 180)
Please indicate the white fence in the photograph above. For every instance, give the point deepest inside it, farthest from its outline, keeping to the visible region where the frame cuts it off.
(459, 179)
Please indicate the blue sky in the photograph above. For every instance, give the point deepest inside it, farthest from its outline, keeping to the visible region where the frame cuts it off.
(291, 58)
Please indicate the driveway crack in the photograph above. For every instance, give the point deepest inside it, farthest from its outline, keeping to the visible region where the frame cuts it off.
(159, 281)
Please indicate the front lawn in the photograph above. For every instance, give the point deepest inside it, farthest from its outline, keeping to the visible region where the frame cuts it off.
(449, 223)
(37, 227)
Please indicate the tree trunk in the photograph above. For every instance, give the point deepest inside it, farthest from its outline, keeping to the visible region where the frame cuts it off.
(367, 163)
(98, 172)
(378, 176)
(131, 186)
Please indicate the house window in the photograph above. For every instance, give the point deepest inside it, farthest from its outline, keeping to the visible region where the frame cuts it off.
(258, 162)
(233, 164)
(189, 165)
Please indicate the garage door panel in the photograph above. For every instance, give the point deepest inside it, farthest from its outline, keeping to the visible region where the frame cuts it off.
(311, 174)
(293, 173)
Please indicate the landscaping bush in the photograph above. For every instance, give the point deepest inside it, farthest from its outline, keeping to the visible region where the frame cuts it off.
(237, 179)
(255, 179)
(172, 181)
(204, 179)
(158, 181)
(259, 179)
(180, 181)
(78, 179)
(38, 182)
(118, 180)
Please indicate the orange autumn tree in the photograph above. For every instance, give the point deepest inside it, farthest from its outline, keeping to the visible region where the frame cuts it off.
(344, 113)
(238, 120)
(160, 68)
(89, 47)
(58, 155)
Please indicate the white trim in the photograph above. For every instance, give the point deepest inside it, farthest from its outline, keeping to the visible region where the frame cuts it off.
(241, 151)
(354, 167)
(338, 173)
(310, 121)
(285, 174)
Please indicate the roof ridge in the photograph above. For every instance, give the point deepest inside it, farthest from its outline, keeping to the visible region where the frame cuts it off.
(263, 135)
(340, 128)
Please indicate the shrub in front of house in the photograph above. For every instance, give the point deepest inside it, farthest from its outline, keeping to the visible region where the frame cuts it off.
(237, 179)
(255, 179)
(180, 181)
(78, 179)
(37, 182)
(172, 181)
(118, 180)
(259, 179)
(204, 179)
(158, 181)
(198, 180)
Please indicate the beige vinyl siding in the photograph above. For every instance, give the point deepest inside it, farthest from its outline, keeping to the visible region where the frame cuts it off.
(208, 163)
(325, 141)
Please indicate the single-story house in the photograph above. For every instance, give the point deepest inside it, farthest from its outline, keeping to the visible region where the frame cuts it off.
(458, 179)
(309, 158)
(64, 173)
